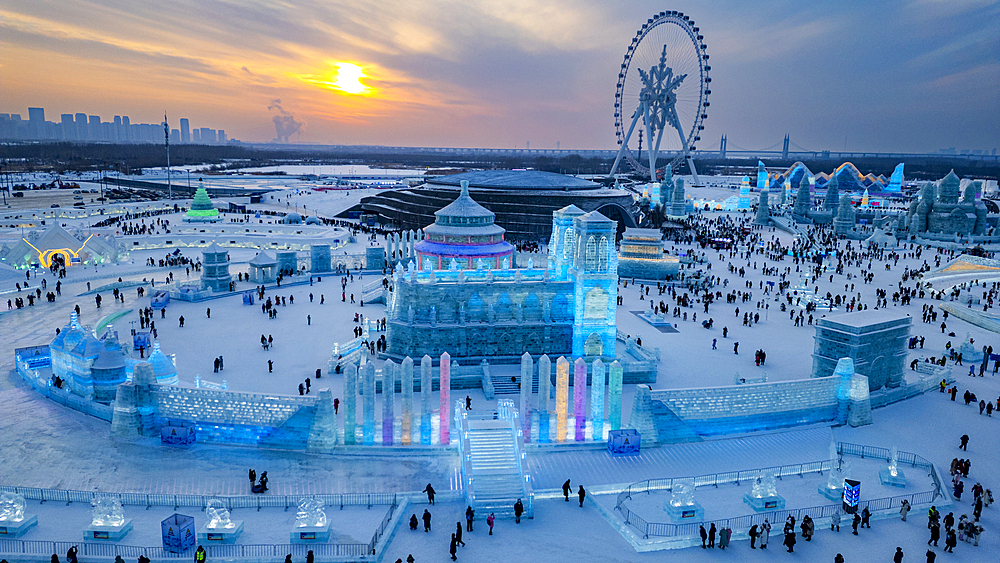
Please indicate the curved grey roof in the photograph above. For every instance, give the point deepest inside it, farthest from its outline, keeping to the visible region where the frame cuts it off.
(515, 180)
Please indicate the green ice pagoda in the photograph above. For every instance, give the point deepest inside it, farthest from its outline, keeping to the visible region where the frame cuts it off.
(202, 209)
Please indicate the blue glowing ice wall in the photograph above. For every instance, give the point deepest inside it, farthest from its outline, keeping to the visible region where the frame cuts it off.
(388, 400)
(350, 403)
(425, 400)
(406, 430)
(595, 275)
(544, 390)
(744, 201)
(762, 179)
(896, 180)
(526, 384)
(580, 399)
(654, 194)
(597, 400)
(615, 396)
(368, 432)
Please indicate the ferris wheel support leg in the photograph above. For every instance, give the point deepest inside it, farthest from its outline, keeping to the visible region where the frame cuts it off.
(624, 147)
(694, 171)
(659, 137)
(650, 150)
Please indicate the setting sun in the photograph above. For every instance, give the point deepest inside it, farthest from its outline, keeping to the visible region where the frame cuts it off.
(348, 79)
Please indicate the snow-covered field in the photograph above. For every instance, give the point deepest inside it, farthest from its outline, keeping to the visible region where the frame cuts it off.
(43, 444)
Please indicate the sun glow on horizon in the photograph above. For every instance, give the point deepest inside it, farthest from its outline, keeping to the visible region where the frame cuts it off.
(348, 79)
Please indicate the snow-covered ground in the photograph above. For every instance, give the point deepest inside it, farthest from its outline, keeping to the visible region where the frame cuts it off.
(45, 445)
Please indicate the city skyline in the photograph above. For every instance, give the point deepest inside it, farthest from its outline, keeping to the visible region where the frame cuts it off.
(912, 76)
(92, 128)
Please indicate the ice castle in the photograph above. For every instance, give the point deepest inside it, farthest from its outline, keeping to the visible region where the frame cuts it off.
(465, 295)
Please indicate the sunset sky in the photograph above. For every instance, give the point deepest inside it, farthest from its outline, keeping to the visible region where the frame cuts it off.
(889, 75)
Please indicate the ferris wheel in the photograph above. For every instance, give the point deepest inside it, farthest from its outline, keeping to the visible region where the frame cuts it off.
(663, 87)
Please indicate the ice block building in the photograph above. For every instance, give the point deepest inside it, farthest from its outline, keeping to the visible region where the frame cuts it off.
(74, 351)
(464, 294)
(940, 211)
(215, 269)
(641, 256)
(874, 340)
(58, 246)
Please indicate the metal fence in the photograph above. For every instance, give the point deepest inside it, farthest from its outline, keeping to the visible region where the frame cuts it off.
(740, 523)
(234, 551)
(150, 500)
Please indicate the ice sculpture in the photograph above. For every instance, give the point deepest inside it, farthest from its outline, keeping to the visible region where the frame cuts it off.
(682, 492)
(218, 515)
(615, 396)
(406, 431)
(562, 397)
(762, 178)
(388, 400)
(597, 400)
(425, 400)
(310, 514)
(350, 403)
(892, 475)
(766, 485)
(764, 494)
(544, 390)
(368, 431)
(445, 388)
(11, 507)
(580, 398)
(527, 369)
(107, 511)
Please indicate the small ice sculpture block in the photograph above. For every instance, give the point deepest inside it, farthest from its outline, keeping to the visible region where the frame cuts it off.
(16, 529)
(886, 476)
(108, 533)
(686, 513)
(624, 442)
(311, 534)
(761, 504)
(835, 494)
(220, 535)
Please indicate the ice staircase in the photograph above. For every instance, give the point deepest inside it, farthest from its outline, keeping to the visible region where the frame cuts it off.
(504, 386)
(492, 465)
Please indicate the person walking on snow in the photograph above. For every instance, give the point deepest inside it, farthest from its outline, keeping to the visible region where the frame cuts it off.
(704, 536)
(753, 536)
(583, 495)
(454, 548)
(835, 521)
(427, 520)
(566, 488)
(458, 533)
(470, 516)
(898, 557)
(518, 510)
(765, 534)
(489, 522)
(430, 493)
(711, 535)
(904, 509)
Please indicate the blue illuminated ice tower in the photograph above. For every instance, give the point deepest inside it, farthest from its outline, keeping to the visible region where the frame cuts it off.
(595, 275)
(562, 242)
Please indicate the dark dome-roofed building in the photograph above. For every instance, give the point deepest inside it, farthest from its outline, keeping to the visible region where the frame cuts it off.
(522, 200)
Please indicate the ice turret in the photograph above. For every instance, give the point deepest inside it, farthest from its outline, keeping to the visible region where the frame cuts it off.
(832, 201)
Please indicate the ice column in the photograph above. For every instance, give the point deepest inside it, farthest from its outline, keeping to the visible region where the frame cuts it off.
(580, 398)
(615, 396)
(406, 432)
(426, 371)
(350, 402)
(368, 432)
(526, 384)
(388, 400)
(544, 389)
(597, 400)
(445, 388)
(562, 397)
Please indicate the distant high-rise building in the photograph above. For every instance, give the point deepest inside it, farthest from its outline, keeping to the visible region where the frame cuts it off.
(66, 127)
(175, 136)
(195, 135)
(207, 135)
(36, 123)
(222, 136)
(94, 128)
(185, 130)
(81, 127)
